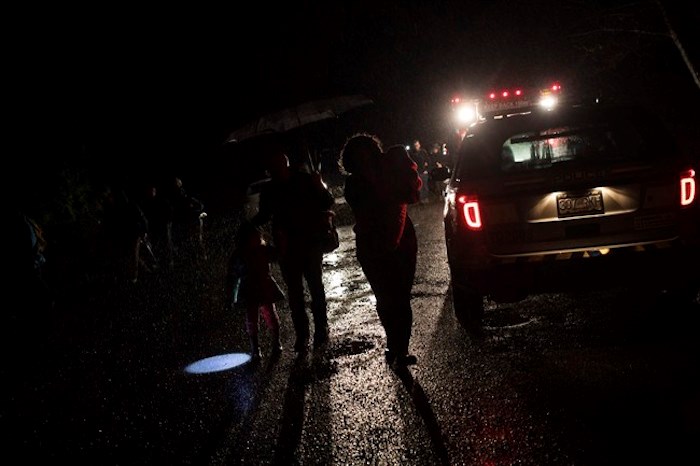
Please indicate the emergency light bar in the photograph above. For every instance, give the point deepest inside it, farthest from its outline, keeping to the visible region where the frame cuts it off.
(514, 98)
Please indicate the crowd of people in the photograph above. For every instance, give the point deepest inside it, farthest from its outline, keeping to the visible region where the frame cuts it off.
(434, 168)
(143, 229)
(156, 226)
(379, 185)
(150, 228)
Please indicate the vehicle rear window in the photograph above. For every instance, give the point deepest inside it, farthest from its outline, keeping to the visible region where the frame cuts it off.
(539, 142)
(544, 148)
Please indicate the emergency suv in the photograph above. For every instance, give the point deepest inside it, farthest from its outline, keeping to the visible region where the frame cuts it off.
(553, 197)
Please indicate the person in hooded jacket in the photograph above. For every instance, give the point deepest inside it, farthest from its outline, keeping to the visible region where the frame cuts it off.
(378, 189)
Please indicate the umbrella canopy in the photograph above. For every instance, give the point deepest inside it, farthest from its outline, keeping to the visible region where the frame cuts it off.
(298, 116)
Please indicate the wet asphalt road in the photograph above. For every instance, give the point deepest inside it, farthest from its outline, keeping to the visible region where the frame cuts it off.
(590, 379)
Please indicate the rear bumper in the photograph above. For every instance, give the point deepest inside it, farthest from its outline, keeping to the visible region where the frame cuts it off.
(651, 267)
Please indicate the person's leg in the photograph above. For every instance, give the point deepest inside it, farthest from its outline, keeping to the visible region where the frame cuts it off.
(169, 247)
(293, 277)
(252, 323)
(386, 310)
(395, 315)
(201, 244)
(379, 275)
(272, 320)
(401, 323)
(134, 259)
(397, 318)
(424, 189)
(405, 265)
(313, 273)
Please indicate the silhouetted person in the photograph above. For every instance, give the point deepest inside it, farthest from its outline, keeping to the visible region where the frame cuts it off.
(294, 202)
(249, 282)
(26, 333)
(159, 214)
(29, 308)
(422, 159)
(378, 189)
(439, 172)
(438, 177)
(188, 221)
(125, 228)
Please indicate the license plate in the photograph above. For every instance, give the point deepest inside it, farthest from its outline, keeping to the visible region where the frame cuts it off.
(570, 205)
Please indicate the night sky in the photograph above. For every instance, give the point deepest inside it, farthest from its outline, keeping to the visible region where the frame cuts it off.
(147, 86)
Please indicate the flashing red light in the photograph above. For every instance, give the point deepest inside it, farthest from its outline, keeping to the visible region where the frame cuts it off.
(518, 92)
(492, 95)
(556, 87)
(687, 187)
(505, 94)
(471, 211)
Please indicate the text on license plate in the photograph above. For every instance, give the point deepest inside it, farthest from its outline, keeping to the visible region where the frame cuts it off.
(590, 203)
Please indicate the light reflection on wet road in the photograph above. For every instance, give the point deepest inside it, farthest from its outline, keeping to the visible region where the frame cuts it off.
(557, 379)
(538, 389)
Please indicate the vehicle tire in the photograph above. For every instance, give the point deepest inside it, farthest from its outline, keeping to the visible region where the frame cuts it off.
(468, 308)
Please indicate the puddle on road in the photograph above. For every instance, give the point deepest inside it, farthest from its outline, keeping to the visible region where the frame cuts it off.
(324, 365)
(350, 347)
(505, 318)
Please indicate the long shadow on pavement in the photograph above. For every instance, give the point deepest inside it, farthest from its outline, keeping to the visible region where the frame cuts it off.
(422, 404)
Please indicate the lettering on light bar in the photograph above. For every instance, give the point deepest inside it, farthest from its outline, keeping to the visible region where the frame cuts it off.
(507, 105)
(688, 187)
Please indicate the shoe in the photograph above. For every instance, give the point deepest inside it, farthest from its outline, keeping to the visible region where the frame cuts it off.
(389, 356)
(320, 338)
(406, 360)
(301, 346)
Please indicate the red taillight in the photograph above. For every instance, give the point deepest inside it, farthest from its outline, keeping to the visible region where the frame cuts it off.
(492, 95)
(518, 92)
(687, 187)
(471, 211)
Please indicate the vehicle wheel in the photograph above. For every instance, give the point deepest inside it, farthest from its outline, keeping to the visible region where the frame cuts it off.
(469, 308)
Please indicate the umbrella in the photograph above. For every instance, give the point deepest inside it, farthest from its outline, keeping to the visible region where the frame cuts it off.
(298, 116)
